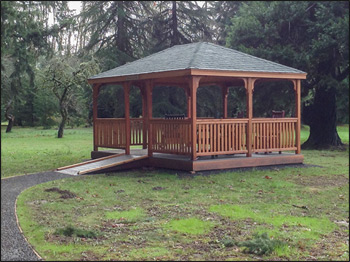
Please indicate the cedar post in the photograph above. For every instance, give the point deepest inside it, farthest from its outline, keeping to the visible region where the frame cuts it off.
(194, 83)
(297, 88)
(188, 96)
(144, 118)
(224, 89)
(149, 86)
(249, 85)
(126, 87)
(95, 91)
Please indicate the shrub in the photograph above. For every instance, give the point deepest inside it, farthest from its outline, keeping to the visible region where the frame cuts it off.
(69, 231)
(261, 244)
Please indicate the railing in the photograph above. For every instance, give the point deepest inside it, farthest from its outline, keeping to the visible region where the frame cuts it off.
(221, 136)
(274, 134)
(110, 132)
(214, 136)
(171, 136)
(136, 127)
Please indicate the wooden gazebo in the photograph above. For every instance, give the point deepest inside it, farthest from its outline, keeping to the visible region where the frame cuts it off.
(193, 143)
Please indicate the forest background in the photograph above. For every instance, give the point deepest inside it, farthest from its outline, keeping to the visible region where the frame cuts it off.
(48, 51)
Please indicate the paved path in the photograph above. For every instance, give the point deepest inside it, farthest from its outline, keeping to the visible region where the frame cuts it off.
(13, 245)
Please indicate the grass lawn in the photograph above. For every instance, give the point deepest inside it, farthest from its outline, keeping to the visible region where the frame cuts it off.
(164, 215)
(31, 150)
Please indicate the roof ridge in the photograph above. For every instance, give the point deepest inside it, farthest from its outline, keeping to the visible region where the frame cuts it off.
(265, 60)
(199, 44)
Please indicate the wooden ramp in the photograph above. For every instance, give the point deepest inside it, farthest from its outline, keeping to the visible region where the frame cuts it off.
(99, 164)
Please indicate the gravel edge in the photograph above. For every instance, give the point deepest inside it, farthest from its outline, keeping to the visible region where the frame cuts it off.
(14, 245)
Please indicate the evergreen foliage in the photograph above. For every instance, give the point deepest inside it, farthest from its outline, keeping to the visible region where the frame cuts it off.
(70, 231)
(310, 36)
(261, 244)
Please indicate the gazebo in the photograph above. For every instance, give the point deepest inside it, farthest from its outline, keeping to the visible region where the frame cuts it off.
(189, 142)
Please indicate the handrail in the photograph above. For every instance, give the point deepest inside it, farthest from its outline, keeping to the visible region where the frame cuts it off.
(273, 120)
(223, 120)
(175, 121)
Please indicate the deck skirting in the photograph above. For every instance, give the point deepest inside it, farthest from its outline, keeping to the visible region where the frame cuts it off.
(184, 163)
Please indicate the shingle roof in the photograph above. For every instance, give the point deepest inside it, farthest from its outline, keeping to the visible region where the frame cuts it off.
(199, 55)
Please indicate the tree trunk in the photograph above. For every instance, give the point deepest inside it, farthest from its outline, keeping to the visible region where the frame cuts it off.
(64, 115)
(9, 117)
(321, 117)
(175, 36)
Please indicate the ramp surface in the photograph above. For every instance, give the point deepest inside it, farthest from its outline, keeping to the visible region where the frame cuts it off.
(99, 164)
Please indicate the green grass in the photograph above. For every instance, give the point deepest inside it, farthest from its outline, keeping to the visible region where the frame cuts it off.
(129, 216)
(31, 150)
(304, 227)
(192, 226)
(193, 215)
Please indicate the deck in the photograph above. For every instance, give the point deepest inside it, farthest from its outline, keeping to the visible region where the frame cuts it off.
(203, 163)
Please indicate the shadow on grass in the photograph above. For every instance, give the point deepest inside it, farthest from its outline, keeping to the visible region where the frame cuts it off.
(151, 171)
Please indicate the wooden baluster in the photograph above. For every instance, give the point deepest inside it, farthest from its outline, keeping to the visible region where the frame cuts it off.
(199, 138)
(239, 141)
(229, 137)
(233, 137)
(222, 137)
(214, 138)
(293, 134)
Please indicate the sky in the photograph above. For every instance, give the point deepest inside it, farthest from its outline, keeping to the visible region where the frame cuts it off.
(75, 5)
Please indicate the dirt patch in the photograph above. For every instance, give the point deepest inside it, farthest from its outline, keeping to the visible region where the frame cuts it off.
(65, 194)
(320, 181)
(157, 188)
(331, 247)
(89, 256)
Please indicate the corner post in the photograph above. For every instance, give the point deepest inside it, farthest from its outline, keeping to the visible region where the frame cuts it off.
(149, 87)
(297, 88)
(224, 89)
(95, 91)
(144, 118)
(249, 85)
(188, 97)
(194, 83)
(126, 87)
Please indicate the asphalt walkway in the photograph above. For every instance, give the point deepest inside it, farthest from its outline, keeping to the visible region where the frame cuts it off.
(13, 245)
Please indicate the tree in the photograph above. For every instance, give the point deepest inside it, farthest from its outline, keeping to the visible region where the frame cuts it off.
(222, 12)
(25, 36)
(310, 36)
(65, 76)
(117, 30)
(180, 22)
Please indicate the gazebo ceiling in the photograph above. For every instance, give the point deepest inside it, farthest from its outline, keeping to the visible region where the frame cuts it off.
(200, 58)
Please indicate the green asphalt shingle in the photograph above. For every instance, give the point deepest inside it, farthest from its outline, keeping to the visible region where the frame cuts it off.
(199, 55)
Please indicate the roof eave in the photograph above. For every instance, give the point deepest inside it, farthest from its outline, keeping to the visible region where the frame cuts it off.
(278, 75)
(136, 77)
(197, 72)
